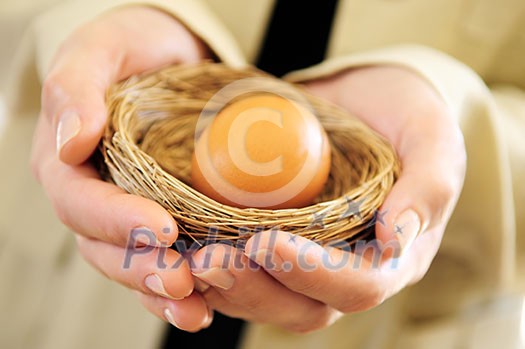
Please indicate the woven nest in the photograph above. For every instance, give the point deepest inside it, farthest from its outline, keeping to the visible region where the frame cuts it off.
(148, 144)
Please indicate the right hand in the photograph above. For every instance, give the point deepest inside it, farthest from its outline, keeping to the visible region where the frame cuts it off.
(120, 43)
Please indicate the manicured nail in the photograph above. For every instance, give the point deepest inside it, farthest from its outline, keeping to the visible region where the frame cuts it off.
(200, 285)
(169, 317)
(406, 228)
(145, 237)
(68, 127)
(268, 260)
(217, 277)
(154, 283)
(209, 319)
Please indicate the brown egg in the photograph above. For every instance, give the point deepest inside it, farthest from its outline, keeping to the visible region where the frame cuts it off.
(262, 151)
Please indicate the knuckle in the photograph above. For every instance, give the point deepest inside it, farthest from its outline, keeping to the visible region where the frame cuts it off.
(308, 286)
(445, 189)
(34, 166)
(253, 304)
(417, 277)
(419, 273)
(38, 164)
(443, 194)
(318, 319)
(458, 140)
(52, 90)
(81, 245)
(376, 297)
(369, 297)
(51, 87)
(302, 328)
(61, 212)
(213, 255)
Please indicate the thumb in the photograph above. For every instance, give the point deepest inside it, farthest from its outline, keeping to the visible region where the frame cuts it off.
(425, 193)
(102, 52)
(73, 102)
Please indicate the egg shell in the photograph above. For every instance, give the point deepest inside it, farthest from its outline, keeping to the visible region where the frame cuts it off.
(262, 151)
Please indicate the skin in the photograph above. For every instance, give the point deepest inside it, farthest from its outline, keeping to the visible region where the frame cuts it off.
(395, 102)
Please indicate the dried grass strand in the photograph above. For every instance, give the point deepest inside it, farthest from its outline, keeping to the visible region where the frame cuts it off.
(148, 144)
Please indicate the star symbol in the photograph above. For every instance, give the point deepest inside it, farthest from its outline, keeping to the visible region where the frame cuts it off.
(353, 209)
(243, 231)
(292, 239)
(317, 220)
(378, 218)
(398, 229)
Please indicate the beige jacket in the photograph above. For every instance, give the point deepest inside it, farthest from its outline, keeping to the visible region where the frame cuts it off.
(471, 51)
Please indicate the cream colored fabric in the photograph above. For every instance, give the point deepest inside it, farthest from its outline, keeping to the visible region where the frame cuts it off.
(473, 294)
(49, 297)
(50, 32)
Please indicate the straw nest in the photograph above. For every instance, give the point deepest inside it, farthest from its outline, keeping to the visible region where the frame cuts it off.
(148, 144)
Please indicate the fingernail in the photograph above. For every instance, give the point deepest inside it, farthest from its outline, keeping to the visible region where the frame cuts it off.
(268, 260)
(169, 317)
(217, 277)
(68, 127)
(209, 319)
(143, 236)
(200, 285)
(146, 241)
(406, 228)
(154, 283)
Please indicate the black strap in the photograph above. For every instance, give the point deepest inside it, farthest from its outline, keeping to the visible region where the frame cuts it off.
(223, 333)
(297, 36)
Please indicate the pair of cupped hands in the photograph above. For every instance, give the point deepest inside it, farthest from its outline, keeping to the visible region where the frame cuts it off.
(395, 102)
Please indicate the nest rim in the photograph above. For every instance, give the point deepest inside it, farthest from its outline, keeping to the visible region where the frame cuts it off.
(131, 166)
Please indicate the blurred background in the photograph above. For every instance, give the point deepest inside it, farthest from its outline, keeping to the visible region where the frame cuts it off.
(15, 17)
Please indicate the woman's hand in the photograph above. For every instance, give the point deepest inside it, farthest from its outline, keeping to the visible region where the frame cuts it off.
(303, 286)
(114, 46)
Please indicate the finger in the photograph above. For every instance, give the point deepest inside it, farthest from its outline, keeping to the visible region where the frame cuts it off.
(154, 271)
(425, 136)
(217, 301)
(345, 280)
(245, 291)
(73, 100)
(431, 179)
(190, 314)
(98, 54)
(94, 208)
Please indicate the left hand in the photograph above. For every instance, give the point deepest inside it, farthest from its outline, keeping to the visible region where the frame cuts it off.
(119, 43)
(303, 286)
